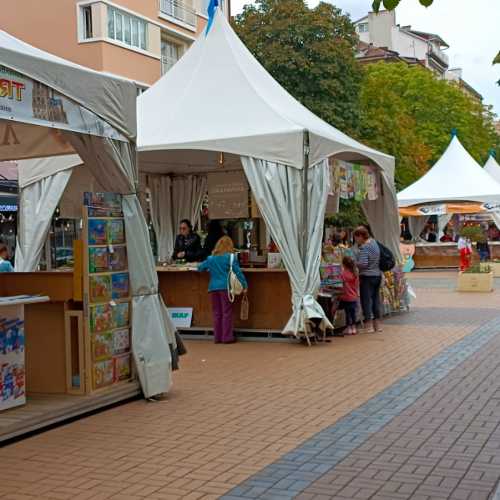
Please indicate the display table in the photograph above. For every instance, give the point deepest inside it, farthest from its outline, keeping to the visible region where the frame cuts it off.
(269, 295)
(445, 255)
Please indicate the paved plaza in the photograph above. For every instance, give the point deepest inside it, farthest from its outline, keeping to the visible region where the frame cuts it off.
(411, 413)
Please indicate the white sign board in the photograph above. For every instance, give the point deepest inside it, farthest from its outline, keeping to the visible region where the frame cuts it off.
(182, 317)
(29, 101)
(433, 209)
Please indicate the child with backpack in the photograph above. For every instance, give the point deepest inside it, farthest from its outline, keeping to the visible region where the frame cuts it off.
(350, 294)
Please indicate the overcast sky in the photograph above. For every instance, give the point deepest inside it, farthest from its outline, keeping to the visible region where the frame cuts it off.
(470, 27)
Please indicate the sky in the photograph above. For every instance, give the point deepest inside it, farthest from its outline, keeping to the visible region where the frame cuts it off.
(470, 27)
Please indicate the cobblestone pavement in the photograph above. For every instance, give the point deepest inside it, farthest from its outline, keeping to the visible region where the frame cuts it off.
(409, 413)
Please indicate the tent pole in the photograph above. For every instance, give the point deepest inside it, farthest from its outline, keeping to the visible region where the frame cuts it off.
(305, 197)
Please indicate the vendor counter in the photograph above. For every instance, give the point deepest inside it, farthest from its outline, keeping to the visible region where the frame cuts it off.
(445, 255)
(269, 295)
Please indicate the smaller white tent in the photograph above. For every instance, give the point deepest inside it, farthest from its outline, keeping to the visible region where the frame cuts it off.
(456, 176)
(493, 168)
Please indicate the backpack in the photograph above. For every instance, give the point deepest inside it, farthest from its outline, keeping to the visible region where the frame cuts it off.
(234, 286)
(387, 260)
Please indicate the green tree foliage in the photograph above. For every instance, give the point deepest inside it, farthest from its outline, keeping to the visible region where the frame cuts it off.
(392, 4)
(310, 52)
(407, 112)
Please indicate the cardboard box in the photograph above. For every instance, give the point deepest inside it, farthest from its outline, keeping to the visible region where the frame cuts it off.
(475, 282)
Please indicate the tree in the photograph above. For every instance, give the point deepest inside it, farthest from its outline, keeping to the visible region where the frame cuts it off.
(310, 52)
(392, 4)
(409, 113)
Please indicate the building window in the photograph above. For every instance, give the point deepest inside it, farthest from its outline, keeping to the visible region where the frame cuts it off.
(127, 29)
(87, 22)
(363, 28)
(171, 52)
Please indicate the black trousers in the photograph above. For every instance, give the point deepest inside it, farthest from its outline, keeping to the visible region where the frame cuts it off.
(369, 287)
(350, 311)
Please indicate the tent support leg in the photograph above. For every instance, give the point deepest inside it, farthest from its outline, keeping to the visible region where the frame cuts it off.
(305, 217)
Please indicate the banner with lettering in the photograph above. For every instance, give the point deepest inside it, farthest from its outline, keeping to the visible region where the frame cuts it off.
(25, 100)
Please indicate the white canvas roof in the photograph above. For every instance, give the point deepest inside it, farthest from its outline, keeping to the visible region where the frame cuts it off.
(493, 168)
(218, 98)
(456, 176)
(109, 97)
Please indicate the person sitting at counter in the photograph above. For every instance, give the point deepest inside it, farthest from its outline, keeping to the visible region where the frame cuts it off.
(187, 244)
(5, 265)
(215, 233)
(219, 265)
(447, 237)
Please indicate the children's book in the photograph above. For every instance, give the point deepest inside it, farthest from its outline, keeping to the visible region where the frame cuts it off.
(103, 345)
(98, 260)
(98, 232)
(116, 232)
(101, 318)
(120, 314)
(100, 288)
(122, 367)
(103, 373)
(121, 341)
(120, 285)
(118, 259)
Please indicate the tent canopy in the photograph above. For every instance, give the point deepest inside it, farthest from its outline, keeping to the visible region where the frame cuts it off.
(218, 98)
(493, 168)
(109, 97)
(456, 176)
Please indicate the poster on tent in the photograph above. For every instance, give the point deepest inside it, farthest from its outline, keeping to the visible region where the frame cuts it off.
(228, 195)
(107, 298)
(354, 182)
(25, 100)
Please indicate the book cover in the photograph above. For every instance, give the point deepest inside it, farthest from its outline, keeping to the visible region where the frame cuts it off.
(100, 288)
(122, 367)
(103, 373)
(101, 318)
(103, 204)
(116, 232)
(118, 259)
(98, 260)
(120, 285)
(121, 341)
(103, 345)
(98, 234)
(121, 314)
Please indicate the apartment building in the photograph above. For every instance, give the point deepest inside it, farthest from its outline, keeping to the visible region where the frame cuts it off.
(136, 39)
(382, 39)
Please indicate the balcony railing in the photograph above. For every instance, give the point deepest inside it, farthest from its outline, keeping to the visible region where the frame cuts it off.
(439, 55)
(178, 10)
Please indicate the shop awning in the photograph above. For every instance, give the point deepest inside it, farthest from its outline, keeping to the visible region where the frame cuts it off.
(455, 177)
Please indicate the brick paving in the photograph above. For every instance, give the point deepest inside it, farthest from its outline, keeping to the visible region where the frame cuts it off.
(238, 409)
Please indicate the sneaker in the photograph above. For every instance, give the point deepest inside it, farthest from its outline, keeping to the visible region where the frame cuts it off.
(368, 327)
(377, 326)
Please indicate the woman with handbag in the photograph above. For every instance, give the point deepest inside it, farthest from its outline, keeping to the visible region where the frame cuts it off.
(226, 280)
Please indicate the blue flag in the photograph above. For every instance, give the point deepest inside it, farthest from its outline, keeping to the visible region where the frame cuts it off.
(212, 6)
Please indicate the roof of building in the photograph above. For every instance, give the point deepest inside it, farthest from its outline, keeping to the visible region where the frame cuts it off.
(431, 37)
(368, 52)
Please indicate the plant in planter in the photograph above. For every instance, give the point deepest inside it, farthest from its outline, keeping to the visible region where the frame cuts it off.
(478, 278)
(474, 234)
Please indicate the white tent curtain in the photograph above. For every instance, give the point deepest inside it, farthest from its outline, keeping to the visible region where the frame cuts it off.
(36, 208)
(278, 190)
(442, 222)
(160, 202)
(173, 199)
(416, 225)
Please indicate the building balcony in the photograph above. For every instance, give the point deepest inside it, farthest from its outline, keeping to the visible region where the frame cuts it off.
(439, 56)
(179, 10)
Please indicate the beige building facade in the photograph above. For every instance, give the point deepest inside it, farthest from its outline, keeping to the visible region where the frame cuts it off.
(136, 39)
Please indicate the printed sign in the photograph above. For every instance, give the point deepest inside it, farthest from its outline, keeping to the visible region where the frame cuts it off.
(228, 195)
(29, 101)
(182, 317)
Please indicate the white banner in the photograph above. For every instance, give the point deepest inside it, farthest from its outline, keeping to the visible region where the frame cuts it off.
(28, 101)
(433, 210)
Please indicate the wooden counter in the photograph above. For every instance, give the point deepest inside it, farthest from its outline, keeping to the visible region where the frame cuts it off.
(268, 293)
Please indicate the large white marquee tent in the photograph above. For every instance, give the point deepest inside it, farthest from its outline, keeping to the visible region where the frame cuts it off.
(218, 108)
(92, 122)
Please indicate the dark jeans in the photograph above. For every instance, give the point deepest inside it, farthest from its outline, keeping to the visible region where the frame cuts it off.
(350, 311)
(369, 287)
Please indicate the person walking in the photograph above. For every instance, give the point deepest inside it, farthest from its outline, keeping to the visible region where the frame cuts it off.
(370, 278)
(219, 266)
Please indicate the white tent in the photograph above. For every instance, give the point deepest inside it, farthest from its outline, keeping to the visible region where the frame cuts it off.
(219, 99)
(456, 176)
(493, 168)
(54, 107)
